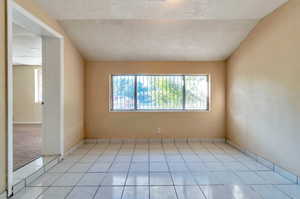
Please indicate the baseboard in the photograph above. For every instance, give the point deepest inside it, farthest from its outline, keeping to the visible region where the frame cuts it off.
(267, 163)
(3, 195)
(25, 182)
(153, 140)
(21, 123)
(76, 146)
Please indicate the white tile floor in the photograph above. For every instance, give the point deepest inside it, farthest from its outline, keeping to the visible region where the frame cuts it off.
(31, 167)
(159, 171)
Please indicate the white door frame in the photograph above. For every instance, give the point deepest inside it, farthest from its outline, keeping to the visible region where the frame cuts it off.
(53, 84)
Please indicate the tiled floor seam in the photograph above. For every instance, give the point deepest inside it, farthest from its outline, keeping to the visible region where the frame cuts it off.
(17, 189)
(170, 173)
(98, 187)
(194, 176)
(179, 149)
(75, 162)
(274, 165)
(130, 164)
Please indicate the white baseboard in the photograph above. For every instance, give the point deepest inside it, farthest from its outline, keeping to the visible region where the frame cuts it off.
(216, 140)
(23, 183)
(267, 163)
(71, 150)
(27, 122)
(92, 141)
(154, 140)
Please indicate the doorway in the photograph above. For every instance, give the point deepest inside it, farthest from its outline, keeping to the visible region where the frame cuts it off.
(45, 125)
(27, 95)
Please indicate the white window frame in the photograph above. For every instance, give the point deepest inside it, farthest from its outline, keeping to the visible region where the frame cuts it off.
(209, 98)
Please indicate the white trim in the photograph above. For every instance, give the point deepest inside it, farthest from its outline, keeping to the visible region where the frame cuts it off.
(62, 90)
(142, 140)
(27, 123)
(180, 140)
(116, 141)
(27, 66)
(102, 140)
(19, 15)
(128, 141)
(152, 140)
(53, 108)
(91, 141)
(19, 186)
(213, 140)
(267, 163)
(10, 5)
(167, 140)
(285, 173)
(74, 148)
(155, 140)
(51, 164)
(209, 96)
(32, 176)
(48, 30)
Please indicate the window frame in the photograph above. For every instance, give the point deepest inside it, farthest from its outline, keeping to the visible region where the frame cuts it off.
(209, 98)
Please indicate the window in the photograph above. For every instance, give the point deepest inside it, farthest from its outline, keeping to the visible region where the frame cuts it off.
(38, 86)
(159, 92)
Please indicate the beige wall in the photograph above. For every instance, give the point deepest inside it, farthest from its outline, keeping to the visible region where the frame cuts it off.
(100, 123)
(25, 108)
(73, 74)
(74, 70)
(2, 99)
(264, 89)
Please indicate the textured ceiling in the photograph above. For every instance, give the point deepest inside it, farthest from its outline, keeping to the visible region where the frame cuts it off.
(164, 40)
(159, 9)
(27, 47)
(183, 30)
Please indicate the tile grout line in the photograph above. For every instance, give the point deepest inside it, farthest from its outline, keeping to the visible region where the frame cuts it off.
(244, 151)
(179, 151)
(126, 178)
(100, 186)
(169, 168)
(149, 169)
(26, 178)
(233, 171)
(282, 191)
(174, 148)
(193, 175)
(72, 189)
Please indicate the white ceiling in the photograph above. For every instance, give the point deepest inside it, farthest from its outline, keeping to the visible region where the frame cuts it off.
(27, 47)
(161, 30)
(164, 40)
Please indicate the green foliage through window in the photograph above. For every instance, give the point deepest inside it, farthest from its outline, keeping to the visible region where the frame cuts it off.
(159, 92)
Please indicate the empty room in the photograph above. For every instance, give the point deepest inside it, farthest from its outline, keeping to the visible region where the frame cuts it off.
(149, 99)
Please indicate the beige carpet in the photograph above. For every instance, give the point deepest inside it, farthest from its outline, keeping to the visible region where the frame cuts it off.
(27, 144)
